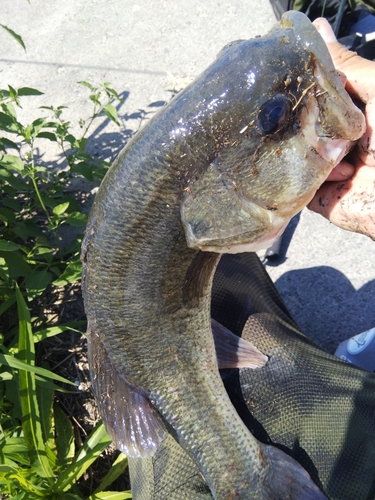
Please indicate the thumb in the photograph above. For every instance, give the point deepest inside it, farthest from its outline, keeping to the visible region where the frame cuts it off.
(359, 71)
(360, 83)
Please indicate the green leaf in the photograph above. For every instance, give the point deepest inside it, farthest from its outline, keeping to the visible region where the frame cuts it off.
(51, 331)
(47, 135)
(41, 169)
(11, 179)
(72, 273)
(6, 359)
(7, 468)
(111, 112)
(76, 219)
(72, 140)
(9, 124)
(7, 143)
(82, 144)
(8, 108)
(31, 424)
(8, 216)
(84, 169)
(50, 108)
(119, 466)
(26, 349)
(15, 445)
(95, 99)
(97, 441)
(112, 92)
(13, 204)
(12, 162)
(8, 246)
(88, 85)
(36, 282)
(12, 92)
(60, 209)
(32, 130)
(26, 229)
(64, 437)
(46, 253)
(42, 382)
(16, 264)
(25, 91)
(45, 396)
(4, 270)
(7, 304)
(111, 495)
(27, 132)
(15, 36)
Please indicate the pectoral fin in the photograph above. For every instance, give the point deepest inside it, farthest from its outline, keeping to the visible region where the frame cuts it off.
(233, 351)
(129, 417)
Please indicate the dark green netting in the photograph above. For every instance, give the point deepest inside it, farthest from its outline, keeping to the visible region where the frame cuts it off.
(313, 406)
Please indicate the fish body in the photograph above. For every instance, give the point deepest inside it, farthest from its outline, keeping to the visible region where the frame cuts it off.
(222, 168)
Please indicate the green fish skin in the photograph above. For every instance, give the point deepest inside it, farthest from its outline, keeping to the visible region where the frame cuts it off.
(222, 168)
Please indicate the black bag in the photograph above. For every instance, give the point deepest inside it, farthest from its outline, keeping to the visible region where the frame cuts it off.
(353, 21)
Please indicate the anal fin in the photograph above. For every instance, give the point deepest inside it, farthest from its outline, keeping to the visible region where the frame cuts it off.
(129, 418)
(233, 351)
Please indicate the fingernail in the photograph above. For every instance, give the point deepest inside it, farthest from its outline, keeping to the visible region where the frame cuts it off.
(345, 169)
(325, 30)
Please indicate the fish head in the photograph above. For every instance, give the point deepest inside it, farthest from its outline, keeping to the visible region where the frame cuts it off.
(283, 120)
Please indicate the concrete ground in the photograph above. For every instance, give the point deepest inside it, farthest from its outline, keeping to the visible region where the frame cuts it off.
(147, 48)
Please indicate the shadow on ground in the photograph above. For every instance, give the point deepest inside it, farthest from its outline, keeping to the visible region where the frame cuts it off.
(322, 300)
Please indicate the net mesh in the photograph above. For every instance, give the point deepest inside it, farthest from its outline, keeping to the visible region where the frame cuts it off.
(316, 408)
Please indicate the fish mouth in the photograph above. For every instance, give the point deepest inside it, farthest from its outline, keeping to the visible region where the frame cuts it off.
(331, 149)
(332, 98)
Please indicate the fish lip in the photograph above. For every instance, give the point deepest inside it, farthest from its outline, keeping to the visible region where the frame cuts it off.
(330, 149)
(349, 126)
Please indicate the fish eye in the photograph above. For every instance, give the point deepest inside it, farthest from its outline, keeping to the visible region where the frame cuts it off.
(273, 114)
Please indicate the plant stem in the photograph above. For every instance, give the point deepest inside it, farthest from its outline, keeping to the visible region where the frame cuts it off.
(40, 199)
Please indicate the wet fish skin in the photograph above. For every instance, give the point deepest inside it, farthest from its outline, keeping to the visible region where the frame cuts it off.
(203, 174)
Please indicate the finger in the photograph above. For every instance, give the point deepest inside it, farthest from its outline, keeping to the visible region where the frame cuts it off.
(341, 172)
(327, 198)
(360, 82)
(359, 71)
(366, 144)
(325, 30)
(349, 204)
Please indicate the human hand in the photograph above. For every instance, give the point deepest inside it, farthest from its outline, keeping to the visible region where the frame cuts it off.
(347, 199)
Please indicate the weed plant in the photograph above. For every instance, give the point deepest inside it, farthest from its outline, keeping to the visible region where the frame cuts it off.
(38, 455)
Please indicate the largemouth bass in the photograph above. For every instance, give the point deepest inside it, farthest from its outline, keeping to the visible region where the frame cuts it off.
(222, 168)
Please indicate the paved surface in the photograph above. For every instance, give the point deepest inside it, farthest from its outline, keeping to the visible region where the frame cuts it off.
(146, 48)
